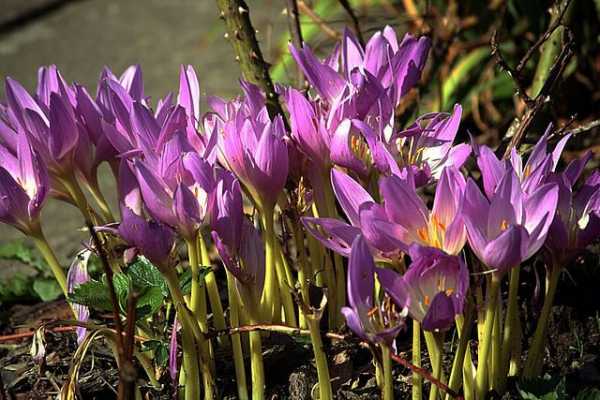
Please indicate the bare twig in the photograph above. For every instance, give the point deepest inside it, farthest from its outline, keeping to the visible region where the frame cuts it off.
(115, 308)
(542, 39)
(295, 32)
(127, 370)
(242, 36)
(328, 30)
(425, 374)
(549, 75)
(543, 96)
(354, 18)
(289, 330)
(516, 77)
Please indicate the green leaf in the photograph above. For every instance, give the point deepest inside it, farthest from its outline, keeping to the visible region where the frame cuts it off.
(185, 279)
(19, 251)
(149, 302)
(47, 289)
(145, 275)
(93, 294)
(588, 394)
(160, 349)
(545, 388)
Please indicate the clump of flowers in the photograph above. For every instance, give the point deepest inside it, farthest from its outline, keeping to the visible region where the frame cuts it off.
(236, 180)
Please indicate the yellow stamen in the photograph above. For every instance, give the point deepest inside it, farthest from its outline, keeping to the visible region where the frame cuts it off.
(504, 225)
(449, 292)
(427, 300)
(423, 234)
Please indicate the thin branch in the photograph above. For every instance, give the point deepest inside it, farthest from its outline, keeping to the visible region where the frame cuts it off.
(242, 37)
(346, 5)
(425, 374)
(555, 72)
(541, 40)
(123, 383)
(295, 33)
(513, 74)
(289, 330)
(328, 30)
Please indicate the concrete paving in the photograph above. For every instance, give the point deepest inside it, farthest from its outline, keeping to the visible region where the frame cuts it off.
(82, 36)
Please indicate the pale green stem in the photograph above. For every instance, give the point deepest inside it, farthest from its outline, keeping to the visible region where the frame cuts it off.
(190, 334)
(417, 380)
(256, 365)
(340, 280)
(468, 381)
(236, 342)
(533, 365)
(285, 280)
(198, 306)
(435, 348)
(496, 361)
(464, 332)
(59, 274)
(510, 327)
(271, 290)
(303, 274)
(388, 382)
(486, 338)
(70, 183)
(212, 290)
(325, 392)
(100, 200)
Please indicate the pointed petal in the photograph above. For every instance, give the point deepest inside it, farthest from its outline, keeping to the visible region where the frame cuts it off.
(361, 280)
(508, 250)
(350, 194)
(402, 204)
(440, 315)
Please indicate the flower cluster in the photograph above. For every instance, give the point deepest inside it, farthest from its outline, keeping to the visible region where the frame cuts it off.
(234, 175)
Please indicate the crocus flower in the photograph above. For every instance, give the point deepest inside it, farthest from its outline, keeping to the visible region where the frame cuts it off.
(252, 147)
(426, 147)
(24, 186)
(152, 239)
(77, 275)
(403, 218)
(308, 127)
(433, 288)
(442, 228)
(510, 227)
(372, 321)
(51, 129)
(577, 220)
(179, 197)
(239, 243)
(538, 167)
(396, 65)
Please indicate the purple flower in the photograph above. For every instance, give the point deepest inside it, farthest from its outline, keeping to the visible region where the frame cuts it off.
(377, 322)
(181, 197)
(152, 239)
(24, 186)
(403, 218)
(396, 65)
(577, 220)
(51, 128)
(433, 288)
(539, 166)
(173, 367)
(425, 147)
(308, 127)
(510, 227)
(253, 148)
(77, 275)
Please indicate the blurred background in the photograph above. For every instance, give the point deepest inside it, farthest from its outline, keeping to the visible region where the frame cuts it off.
(83, 36)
